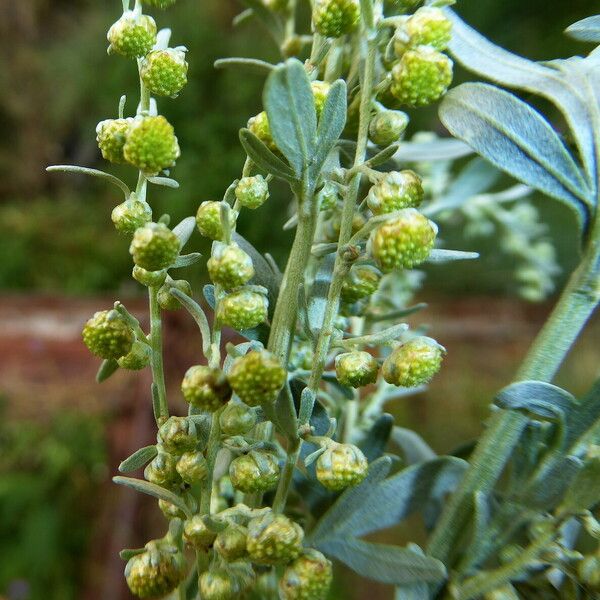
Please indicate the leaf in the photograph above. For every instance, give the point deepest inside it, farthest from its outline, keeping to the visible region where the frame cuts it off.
(128, 553)
(440, 149)
(375, 441)
(439, 255)
(138, 459)
(107, 368)
(386, 563)
(251, 65)
(165, 182)
(186, 260)
(145, 487)
(317, 303)
(264, 158)
(208, 292)
(517, 139)
(184, 230)
(586, 30)
(584, 491)
(417, 591)
(414, 447)
(382, 157)
(547, 491)
(290, 106)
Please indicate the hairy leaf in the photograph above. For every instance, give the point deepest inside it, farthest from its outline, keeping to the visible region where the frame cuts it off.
(376, 439)
(247, 64)
(264, 158)
(414, 448)
(145, 487)
(586, 30)
(187, 260)
(184, 230)
(584, 492)
(138, 459)
(440, 255)
(331, 124)
(108, 367)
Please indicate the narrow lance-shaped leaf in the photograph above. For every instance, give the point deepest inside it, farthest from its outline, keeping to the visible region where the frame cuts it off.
(108, 367)
(264, 158)
(586, 30)
(138, 459)
(145, 487)
(184, 230)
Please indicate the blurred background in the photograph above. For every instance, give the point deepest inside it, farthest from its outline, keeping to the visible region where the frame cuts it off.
(62, 522)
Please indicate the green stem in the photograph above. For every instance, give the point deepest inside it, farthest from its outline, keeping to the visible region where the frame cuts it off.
(158, 372)
(287, 475)
(212, 448)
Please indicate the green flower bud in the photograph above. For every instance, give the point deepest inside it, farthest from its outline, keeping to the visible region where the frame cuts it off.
(162, 470)
(413, 363)
(332, 230)
(162, 4)
(403, 242)
(273, 539)
(243, 310)
(231, 543)
(356, 369)
(252, 192)
(218, 584)
(334, 18)
(320, 90)
(257, 377)
(164, 72)
(111, 135)
(387, 127)
(427, 27)
(307, 578)
(132, 35)
(229, 266)
(236, 419)
(205, 388)
(197, 534)
(208, 220)
(170, 511)
(259, 126)
(156, 572)
(361, 282)
(131, 214)
(341, 466)
(149, 278)
(154, 247)
(421, 77)
(151, 145)
(178, 435)
(107, 335)
(588, 570)
(166, 300)
(192, 467)
(137, 358)
(254, 472)
(329, 196)
(395, 191)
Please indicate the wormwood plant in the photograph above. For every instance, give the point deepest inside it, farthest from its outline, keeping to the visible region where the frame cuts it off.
(279, 465)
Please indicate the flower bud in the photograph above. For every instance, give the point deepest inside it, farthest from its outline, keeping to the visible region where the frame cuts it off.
(328, 196)
(387, 127)
(149, 278)
(229, 266)
(403, 242)
(170, 511)
(252, 192)
(166, 300)
(154, 247)
(341, 466)
(231, 543)
(257, 377)
(132, 35)
(259, 126)
(243, 310)
(192, 467)
(111, 135)
(356, 369)
(320, 90)
(307, 578)
(164, 72)
(107, 335)
(334, 18)
(333, 227)
(162, 470)
(273, 539)
(205, 388)
(208, 220)
(177, 435)
(413, 363)
(254, 472)
(429, 26)
(197, 534)
(360, 283)
(137, 358)
(395, 191)
(131, 214)
(236, 419)
(218, 584)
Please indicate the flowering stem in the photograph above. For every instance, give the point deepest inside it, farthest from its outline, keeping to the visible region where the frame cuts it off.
(158, 372)
(212, 448)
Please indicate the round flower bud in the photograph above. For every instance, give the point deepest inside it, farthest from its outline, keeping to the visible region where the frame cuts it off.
(156, 572)
(413, 363)
(218, 584)
(229, 266)
(154, 247)
(329, 196)
(259, 126)
(162, 470)
(178, 435)
(588, 570)
(273, 539)
(254, 472)
(341, 466)
(395, 191)
(360, 283)
(236, 419)
(421, 76)
(307, 578)
(429, 26)
(332, 230)
(252, 192)
(205, 388)
(149, 278)
(131, 214)
(320, 90)
(243, 310)
(151, 145)
(231, 543)
(403, 242)
(257, 377)
(166, 300)
(192, 467)
(107, 335)
(244, 576)
(387, 127)
(111, 135)
(160, 3)
(170, 511)
(208, 220)
(197, 534)
(334, 18)
(132, 35)
(164, 72)
(356, 369)
(137, 358)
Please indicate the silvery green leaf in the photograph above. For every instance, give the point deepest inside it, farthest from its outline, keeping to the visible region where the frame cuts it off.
(584, 491)
(128, 553)
(184, 230)
(197, 314)
(186, 260)
(287, 421)
(209, 295)
(264, 158)
(584, 425)
(164, 182)
(107, 368)
(290, 106)
(376, 439)
(386, 563)
(517, 139)
(317, 303)
(586, 30)
(138, 459)
(440, 149)
(542, 399)
(416, 591)
(145, 487)
(414, 448)
(268, 18)
(440, 255)
(251, 65)
(382, 157)
(331, 124)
